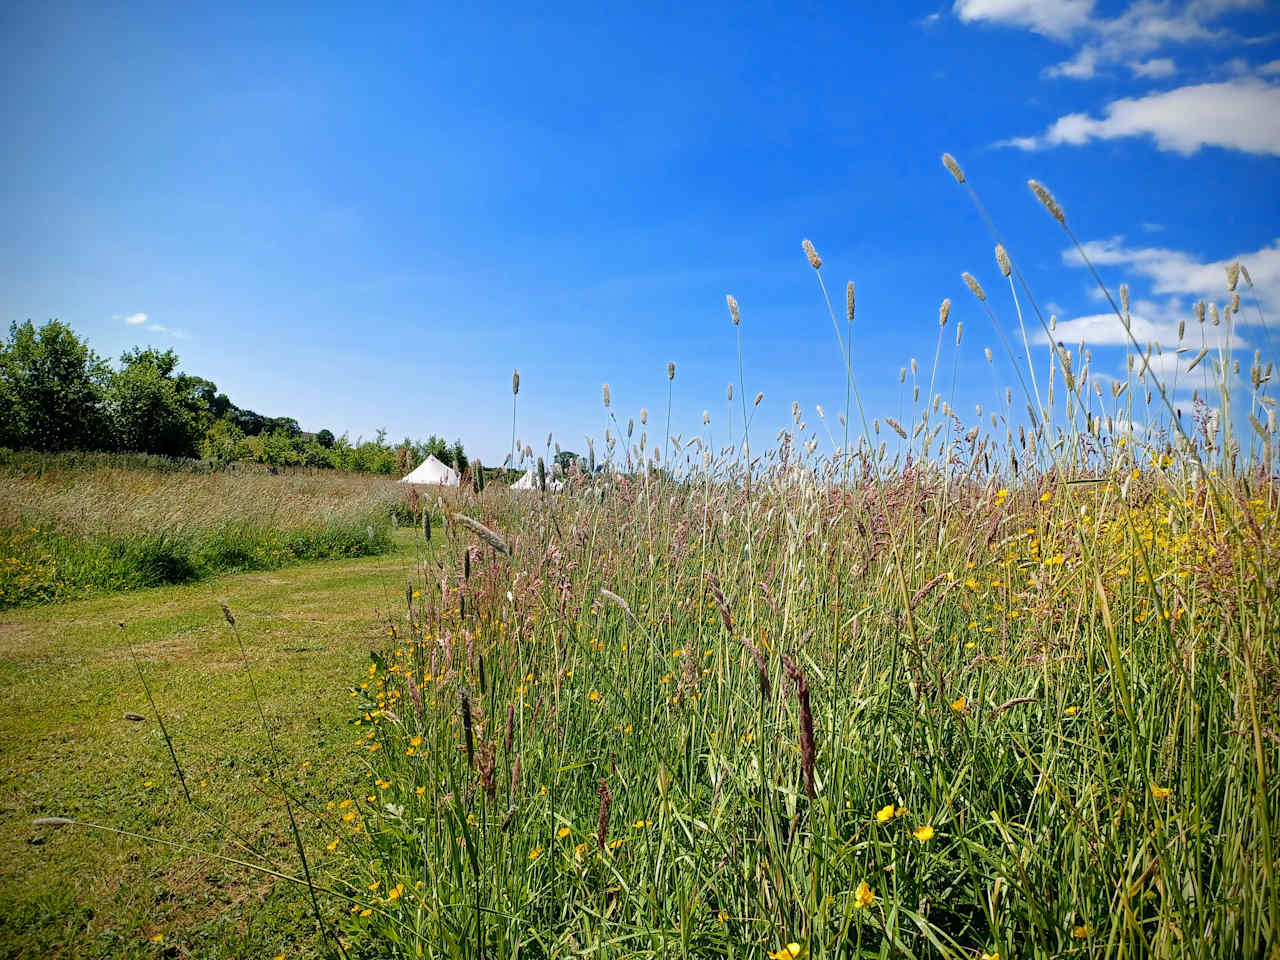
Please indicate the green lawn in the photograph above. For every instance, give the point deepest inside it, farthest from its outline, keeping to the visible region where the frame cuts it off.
(66, 683)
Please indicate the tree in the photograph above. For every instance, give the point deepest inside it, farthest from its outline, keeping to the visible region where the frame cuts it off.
(325, 438)
(51, 390)
(250, 423)
(223, 441)
(438, 448)
(152, 410)
(285, 425)
(457, 457)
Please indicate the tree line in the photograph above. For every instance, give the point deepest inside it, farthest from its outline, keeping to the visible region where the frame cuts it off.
(57, 394)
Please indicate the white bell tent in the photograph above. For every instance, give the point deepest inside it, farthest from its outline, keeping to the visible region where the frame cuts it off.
(431, 472)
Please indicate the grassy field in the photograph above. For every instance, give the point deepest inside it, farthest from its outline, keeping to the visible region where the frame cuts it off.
(909, 719)
(982, 688)
(74, 525)
(67, 681)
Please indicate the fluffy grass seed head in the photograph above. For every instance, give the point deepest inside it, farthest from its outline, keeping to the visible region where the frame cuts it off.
(973, 285)
(515, 382)
(815, 261)
(484, 533)
(671, 369)
(944, 312)
(759, 397)
(949, 162)
(604, 394)
(733, 308)
(1050, 204)
(848, 301)
(1002, 258)
(1233, 275)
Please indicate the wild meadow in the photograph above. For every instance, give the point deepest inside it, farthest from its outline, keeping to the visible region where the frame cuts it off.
(966, 690)
(76, 524)
(990, 685)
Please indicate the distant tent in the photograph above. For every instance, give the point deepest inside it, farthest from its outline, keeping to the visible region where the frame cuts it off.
(530, 482)
(431, 472)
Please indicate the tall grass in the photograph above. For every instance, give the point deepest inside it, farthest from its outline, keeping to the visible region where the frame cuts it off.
(73, 524)
(1004, 689)
(1000, 687)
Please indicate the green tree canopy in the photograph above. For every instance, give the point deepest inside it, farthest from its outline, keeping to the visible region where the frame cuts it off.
(51, 390)
(151, 409)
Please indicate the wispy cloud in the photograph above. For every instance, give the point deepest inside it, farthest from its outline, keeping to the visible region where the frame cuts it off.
(170, 331)
(1105, 330)
(1052, 18)
(1155, 69)
(1176, 272)
(1129, 38)
(1235, 115)
(136, 319)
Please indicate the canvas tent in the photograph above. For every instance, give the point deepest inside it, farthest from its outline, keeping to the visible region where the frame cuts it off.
(432, 472)
(530, 482)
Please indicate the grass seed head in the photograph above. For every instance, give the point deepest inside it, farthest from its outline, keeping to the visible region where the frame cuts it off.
(484, 533)
(815, 261)
(604, 394)
(944, 312)
(1050, 204)
(973, 285)
(733, 308)
(848, 301)
(949, 162)
(1233, 275)
(671, 369)
(515, 382)
(1002, 258)
(602, 824)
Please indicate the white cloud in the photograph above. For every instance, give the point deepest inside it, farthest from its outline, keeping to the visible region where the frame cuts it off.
(160, 328)
(1136, 32)
(1080, 67)
(1176, 272)
(1270, 69)
(1154, 69)
(1106, 330)
(1237, 115)
(1052, 18)
(135, 319)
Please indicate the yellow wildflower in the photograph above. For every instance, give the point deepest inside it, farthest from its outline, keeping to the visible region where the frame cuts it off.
(863, 897)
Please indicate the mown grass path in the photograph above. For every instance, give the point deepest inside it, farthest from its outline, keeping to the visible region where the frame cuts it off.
(67, 681)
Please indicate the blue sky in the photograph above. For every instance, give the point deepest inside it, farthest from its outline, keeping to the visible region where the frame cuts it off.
(367, 220)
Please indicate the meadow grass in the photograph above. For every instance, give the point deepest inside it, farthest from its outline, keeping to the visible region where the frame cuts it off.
(67, 748)
(1002, 687)
(76, 524)
(1056, 743)
(948, 691)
